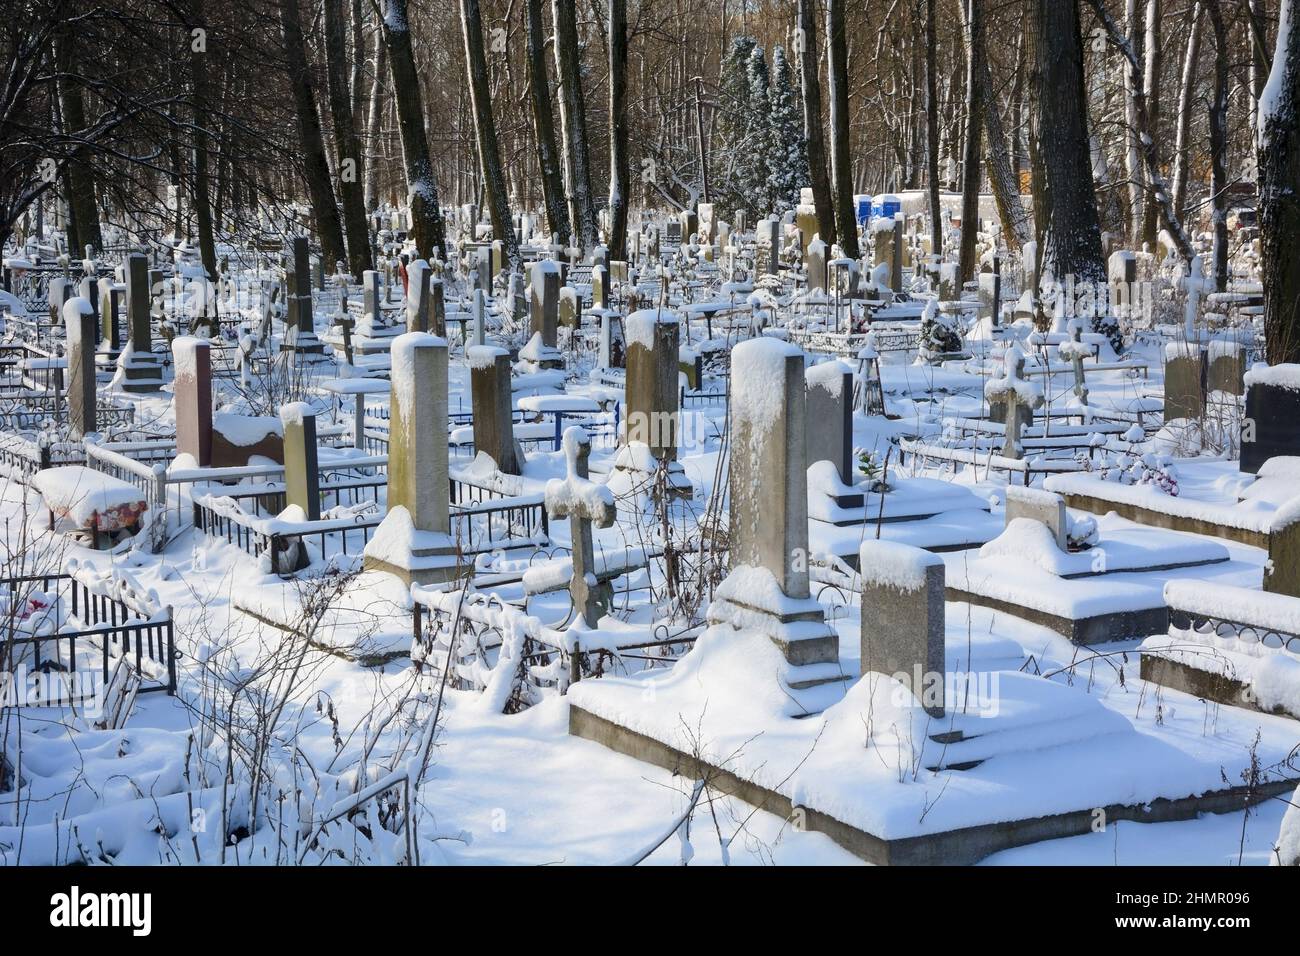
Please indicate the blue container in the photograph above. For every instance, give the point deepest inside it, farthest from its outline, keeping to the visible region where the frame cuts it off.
(890, 206)
(863, 205)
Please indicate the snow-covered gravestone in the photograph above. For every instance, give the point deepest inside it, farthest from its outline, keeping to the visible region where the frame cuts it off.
(110, 314)
(1042, 506)
(815, 261)
(903, 618)
(494, 431)
(767, 248)
(81, 327)
(417, 296)
(478, 311)
(768, 583)
(58, 292)
(570, 308)
(414, 542)
(545, 306)
(1226, 371)
(653, 338)
(583, 502)
(599, 287)
(829, 435)
(301, 475)
(300, 325)
(1014, 396)
(1184, 381)
(372, 282)
(141, 369)
(192, 398)
(612, 352)
(1271, 427)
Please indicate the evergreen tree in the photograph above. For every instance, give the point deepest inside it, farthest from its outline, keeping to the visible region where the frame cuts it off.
(788, 153)
(753, 161)
(733, 118)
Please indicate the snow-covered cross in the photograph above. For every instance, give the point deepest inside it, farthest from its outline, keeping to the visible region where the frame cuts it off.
(1075, 352)
(1016, 392)
(582, 501)
(1194, 283)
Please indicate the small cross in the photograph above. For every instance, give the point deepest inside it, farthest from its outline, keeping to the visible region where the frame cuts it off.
(1007, 389)
(1076, 359)
(582, 501)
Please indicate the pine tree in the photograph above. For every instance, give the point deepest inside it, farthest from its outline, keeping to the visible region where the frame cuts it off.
(788, 153)
(753, 161)
(733, 118)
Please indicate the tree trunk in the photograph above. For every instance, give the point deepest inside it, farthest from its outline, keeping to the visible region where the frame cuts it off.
(1154, 59)
(1184, 119)
(1003, 180)
(316, 167)
(1279, 193)
(548, 156)
(421, 184)
(976, 94)
(494, 181)
(1219, 147)
(811, 87)
(618, 158)
(573, 119)
(841, 168)
(932, 129)
(1132, 155)
(1072, 232)
(78, 175)
(374, 122)
(347, 144)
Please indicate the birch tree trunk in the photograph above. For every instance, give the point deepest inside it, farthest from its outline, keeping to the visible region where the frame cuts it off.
(1184, 118)
(374, 122)
(548, 157)
(1219, 147)
(841, 167)
(1132, 155)
(811, 87)
(422, 186)
(976, 92)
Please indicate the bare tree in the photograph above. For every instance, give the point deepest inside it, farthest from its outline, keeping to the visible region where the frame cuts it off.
(976, 93)
(573, 120)
(618, 133)
(1279, 192)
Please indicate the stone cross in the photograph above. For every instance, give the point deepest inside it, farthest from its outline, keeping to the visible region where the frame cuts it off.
(1017, 397)
(301, 474)
(1194, 283)
(583, 502)
(494, 431)
(903, 618)
(81, 326)
(192, 398)
(1076, 352)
